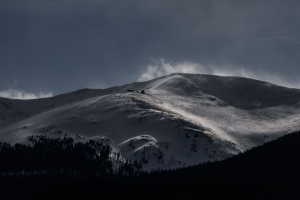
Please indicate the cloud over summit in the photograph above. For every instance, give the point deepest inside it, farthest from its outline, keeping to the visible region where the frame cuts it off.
(161, 67)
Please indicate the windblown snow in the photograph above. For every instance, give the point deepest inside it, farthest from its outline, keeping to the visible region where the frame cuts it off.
(180, 120)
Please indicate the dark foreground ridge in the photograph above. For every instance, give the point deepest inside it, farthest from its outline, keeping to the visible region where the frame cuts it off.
(270, 171)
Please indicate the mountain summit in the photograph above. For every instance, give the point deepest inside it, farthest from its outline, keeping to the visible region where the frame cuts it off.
(169, 122)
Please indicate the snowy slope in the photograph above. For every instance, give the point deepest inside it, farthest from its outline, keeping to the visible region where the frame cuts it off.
(182, 119)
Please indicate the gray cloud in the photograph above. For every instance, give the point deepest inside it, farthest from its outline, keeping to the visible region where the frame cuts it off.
(65, 45)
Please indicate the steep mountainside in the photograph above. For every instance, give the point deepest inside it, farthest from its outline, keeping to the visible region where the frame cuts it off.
(182, 119)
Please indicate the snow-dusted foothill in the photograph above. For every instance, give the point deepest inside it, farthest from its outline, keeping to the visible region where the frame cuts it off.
(169, 122)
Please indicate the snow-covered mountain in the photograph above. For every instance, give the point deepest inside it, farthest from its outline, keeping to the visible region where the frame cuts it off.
(180, 120)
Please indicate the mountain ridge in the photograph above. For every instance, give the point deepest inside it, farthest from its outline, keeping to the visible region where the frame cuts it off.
(199, 117)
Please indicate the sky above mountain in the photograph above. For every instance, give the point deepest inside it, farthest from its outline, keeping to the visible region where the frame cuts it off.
(51, 47)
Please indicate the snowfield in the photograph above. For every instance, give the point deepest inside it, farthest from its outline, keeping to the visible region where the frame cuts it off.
(181, 120)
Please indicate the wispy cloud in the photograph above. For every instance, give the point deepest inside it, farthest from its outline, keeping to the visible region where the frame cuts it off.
(161, 68)
(18, 94)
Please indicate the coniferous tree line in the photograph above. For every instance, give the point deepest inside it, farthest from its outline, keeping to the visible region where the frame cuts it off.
(270, 171)
(45, 155)
(55, 155)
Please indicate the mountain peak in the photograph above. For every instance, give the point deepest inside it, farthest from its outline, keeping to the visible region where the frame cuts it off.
(180, 119)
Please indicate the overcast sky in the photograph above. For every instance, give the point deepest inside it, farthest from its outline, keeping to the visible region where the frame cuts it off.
(51, 47)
